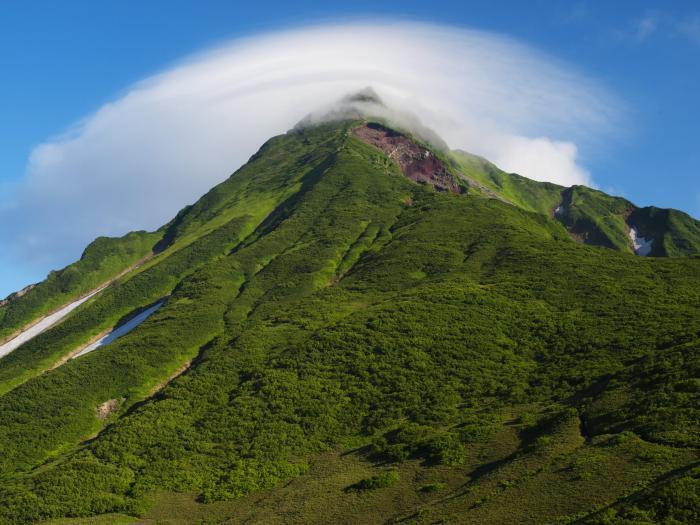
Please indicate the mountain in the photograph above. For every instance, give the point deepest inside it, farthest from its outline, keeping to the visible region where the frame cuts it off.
(360, 326)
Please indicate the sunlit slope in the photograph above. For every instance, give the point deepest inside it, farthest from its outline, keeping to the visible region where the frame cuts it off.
(528, 194)
(212, 227)
(590, 216)
(103, 259)
(676, 234)
(341, 343)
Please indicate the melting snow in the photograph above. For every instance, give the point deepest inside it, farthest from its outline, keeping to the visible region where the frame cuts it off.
(121, 330)
(641, 245)
(46, 323)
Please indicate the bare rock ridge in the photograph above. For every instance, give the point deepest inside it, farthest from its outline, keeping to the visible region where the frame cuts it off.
(418, 163)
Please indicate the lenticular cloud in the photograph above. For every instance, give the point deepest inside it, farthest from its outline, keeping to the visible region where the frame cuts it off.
(137, 160)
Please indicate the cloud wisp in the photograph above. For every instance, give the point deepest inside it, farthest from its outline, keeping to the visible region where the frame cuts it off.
(137, 160)
(660, 23)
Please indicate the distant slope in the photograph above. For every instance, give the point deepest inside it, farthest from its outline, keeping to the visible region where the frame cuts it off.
(591, 216)
(595, 218)
(344, 343)
(675, 233)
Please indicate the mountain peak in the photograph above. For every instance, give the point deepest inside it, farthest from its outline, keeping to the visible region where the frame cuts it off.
(356, 105)
(365, 96)
(367, 104)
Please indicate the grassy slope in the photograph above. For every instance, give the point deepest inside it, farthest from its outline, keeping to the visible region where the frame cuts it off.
(592, 216)
(466, 342)
(102, 259)
(200, 233)
(605, 220)
(528, 194)
(600, 218)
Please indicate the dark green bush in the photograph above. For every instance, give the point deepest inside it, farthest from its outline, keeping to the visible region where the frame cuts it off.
(384, 479)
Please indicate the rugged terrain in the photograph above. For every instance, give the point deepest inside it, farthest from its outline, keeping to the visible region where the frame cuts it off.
(359, 327)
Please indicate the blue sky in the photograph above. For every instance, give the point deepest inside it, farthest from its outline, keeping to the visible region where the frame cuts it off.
(62, 61)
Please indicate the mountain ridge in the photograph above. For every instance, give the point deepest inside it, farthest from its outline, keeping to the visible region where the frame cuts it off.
(491, 182)
(463, 353)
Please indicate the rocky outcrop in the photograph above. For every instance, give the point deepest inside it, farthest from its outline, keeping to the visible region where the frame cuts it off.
(105, 409)
(416, 162)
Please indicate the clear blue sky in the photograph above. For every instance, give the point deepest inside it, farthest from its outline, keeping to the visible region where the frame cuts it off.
(61, 60)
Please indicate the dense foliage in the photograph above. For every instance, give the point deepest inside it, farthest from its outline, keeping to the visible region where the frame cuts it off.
(324, 302)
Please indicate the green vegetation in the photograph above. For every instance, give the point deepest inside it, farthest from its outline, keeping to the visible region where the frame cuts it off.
(675, 233)
(102, 260)
(591, 216)
(190, 241)
(433, 487)
(332, 328)
(525, 193)
(671, 502)
(386, 478)
(596, 218)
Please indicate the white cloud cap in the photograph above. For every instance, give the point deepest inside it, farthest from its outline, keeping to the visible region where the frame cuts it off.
(137, 160)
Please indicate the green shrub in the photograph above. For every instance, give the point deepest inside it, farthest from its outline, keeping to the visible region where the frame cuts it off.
(384, 479)
(433, 487)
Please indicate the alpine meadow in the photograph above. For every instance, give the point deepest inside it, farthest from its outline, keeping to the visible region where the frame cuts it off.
(350, 263)
(362, 326)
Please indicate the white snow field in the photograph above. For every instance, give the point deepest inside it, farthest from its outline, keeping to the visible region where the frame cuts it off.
(44, 324)
(121, 330)
(641, 245)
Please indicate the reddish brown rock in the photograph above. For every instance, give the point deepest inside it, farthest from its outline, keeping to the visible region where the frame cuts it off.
(417, 163)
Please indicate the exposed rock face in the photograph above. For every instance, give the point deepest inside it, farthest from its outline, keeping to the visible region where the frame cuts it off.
(106, 408)
(417, 163)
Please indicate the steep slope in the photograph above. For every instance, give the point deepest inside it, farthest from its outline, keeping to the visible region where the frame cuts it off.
(344, 343)
(674, 233)
(613, 222)
(528, 194)
(209, 229)
(594, 217)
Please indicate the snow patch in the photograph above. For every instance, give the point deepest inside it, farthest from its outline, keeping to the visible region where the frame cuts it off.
(121, 330)
(43, 325)
(641, 245)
